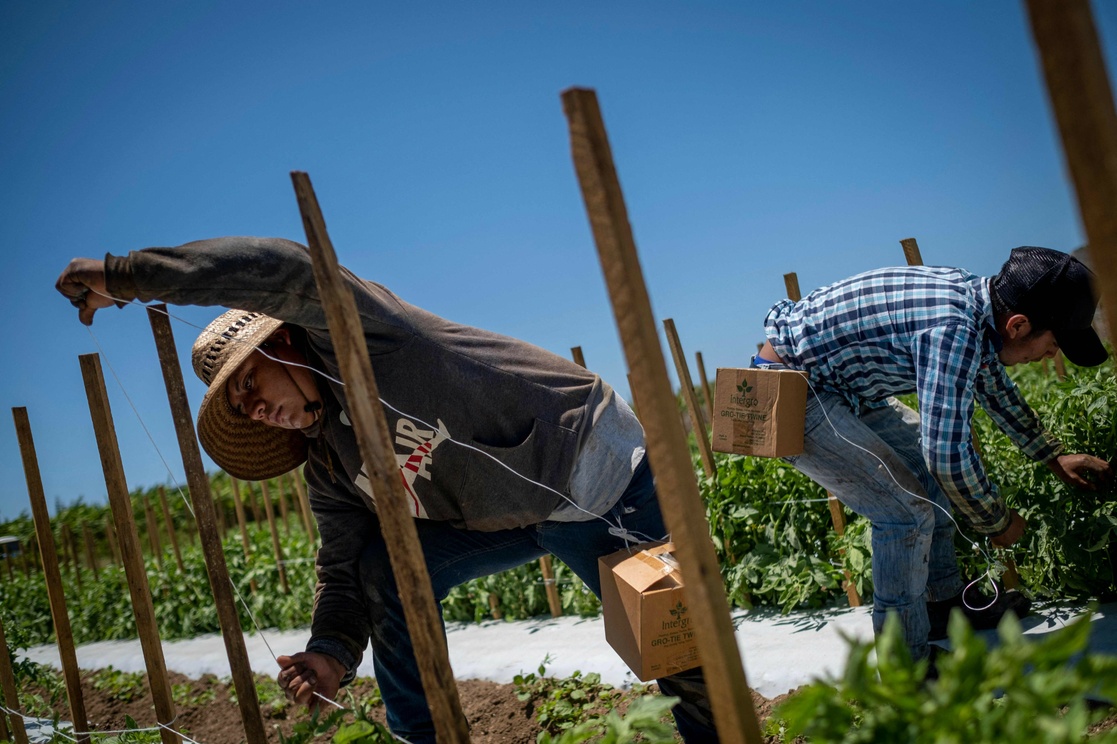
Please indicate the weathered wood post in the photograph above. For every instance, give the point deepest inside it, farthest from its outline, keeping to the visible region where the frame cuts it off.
(1082, 100)
(110, 535)
(577, 356)
(280, 563)
(304, 503)
(52, 575)
(198, 483)
(1011, 577)
(239, 506)
(284, 512)
(705, 450)
(121, 506)
(170, 527)
(72, 554)
(90, 550)
(680, 501)
(11, 694)
(706, 393)
(371, 429)
(152, 530)
(837, 514)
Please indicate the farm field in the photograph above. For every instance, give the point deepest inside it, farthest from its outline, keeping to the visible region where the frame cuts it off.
(780, 558)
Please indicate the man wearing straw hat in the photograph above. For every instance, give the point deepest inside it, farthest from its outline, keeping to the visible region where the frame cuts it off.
(507, 452)
(947, 336)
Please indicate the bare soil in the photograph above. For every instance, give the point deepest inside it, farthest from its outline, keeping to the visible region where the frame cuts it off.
(208, 713)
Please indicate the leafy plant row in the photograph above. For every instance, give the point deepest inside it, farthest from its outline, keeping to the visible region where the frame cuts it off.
(769, 525)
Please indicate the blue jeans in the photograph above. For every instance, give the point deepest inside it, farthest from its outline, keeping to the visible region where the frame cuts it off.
(455, 556)
(913, 541)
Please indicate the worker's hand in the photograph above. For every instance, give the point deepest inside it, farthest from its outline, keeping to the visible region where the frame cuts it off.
(1015, 531)
(83, 283)
(306, 673)
(1082, 471)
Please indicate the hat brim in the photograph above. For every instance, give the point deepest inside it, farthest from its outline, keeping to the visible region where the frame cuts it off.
(1082, 346)
(243, 447)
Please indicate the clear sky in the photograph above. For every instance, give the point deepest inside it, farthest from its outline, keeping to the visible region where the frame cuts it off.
(751, 139)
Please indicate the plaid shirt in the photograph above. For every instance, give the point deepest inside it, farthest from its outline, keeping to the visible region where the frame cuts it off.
(921, 330)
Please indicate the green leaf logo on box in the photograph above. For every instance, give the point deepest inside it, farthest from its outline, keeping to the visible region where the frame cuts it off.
(744, 399)
(678, 611)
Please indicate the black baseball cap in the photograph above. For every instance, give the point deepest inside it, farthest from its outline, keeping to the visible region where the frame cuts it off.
(1056, 291)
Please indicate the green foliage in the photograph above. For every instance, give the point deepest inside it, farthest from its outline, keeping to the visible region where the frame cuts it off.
(135, 736)
(561, 704)
(645, 721)
(122, 686)
(353, 726)
(1022, 690)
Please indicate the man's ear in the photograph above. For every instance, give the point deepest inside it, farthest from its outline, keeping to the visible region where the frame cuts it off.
(279, 337)
(1017, 326)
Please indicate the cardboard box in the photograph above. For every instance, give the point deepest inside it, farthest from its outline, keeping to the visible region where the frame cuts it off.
(759, 411)
(646, 618)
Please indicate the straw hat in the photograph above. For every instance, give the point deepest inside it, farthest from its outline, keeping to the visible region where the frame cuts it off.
(244, 448)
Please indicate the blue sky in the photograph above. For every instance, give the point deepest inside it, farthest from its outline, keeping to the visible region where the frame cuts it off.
(751, 139)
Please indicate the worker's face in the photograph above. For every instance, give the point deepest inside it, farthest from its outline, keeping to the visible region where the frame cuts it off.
(265, 389)
(1023, 345)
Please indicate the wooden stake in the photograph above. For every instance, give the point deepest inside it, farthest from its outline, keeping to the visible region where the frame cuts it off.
(170, 527)
(52, 574)
(121, 506)
(198, 484)
(1060, 366)
(72, 554)
(682, 506)
(494, 606)
(304, 504)
(152, 531)
(1082, 100)
(239, 505)
(11, 694)
(276, 547)
(576, 355)
(371, 429)
(284, 512)
(110, 535)
(705, 451)
(911, 252)
(90, 552)
(706, 393)
(791, 282)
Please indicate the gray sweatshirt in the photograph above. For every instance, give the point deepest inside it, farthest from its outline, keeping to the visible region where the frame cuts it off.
(443, 383)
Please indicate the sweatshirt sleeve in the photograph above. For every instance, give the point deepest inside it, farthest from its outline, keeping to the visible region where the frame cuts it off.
(947, 361)
(267, 275)
(340, 623)
(1002, 400)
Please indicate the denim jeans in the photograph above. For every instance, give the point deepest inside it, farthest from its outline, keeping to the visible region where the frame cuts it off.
(913, 541)
(454, 556)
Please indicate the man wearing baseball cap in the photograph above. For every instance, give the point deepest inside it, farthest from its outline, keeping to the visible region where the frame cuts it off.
(947, 336)
(507, 451)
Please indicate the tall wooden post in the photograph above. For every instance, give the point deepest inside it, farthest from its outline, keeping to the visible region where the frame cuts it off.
(110, 535)
(198, 483)
(577, 356)
(680, 501)
(121, 506)
(63, 633)
(837, 515)
(72, 553)
(239, 506)
(705, 451)
(374, 439)
(299, 496)
(1082, 100)
(90, 550)
(276, 547)
(11, 694)
(170, 527)
(706, 393)
(284, 511)
(152, 531)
